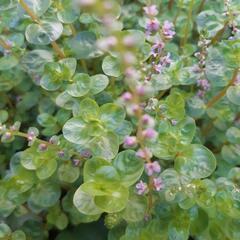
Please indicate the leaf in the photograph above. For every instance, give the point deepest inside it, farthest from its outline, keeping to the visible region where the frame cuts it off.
(68, 11)
(76, 130)
(113, 202)
(82, 46)
(98, 83)
(49, 31)
(210, 21)
(233, 94)
(135, 209)
(81, 85)
(195, 161)
(5, 230)
(39, 7)
(112, 115)
(175, 106)
(3, 116)
(85, 203)
(47, 169)
(46, 194)
(92, 166)
(111, 66)
(34, 61)
(8, 62)
(129, 167)
(68, 173)
(233, 135)
(105, 145)
(88, 109)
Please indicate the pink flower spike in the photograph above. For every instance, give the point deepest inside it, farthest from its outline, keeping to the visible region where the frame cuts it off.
(168, 30)
(144, 153)
(158, 184)
(150, 133)
(130, 141)
(151, 10)
(152, 168)
(127, 96)
(141, 188)
(152, 25)
(148, 120)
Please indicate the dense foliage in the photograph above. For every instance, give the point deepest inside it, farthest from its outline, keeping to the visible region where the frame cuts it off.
(120, 119)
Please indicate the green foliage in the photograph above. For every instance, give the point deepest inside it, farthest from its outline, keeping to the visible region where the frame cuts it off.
(119, 120)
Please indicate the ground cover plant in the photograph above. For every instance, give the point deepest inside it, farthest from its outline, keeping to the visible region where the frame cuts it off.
(120, 119)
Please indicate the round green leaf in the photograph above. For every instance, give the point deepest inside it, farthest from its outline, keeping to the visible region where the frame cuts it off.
(88, 109)
(18, 235)
(39, 7)
(68, 12)
(47, 169)
(44, 33)
(68, 173)
(85, 203)
(233, 94)
(112, 115)
(111, 66)
(196, 161)
(5, 230)
(113, 202)
(82, 46)
(99, 83)
(81, 85)
(3, 116)
(46, 194)
(8, 62)
(129, 167)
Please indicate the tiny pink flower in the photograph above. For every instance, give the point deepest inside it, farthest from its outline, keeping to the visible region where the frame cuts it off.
(130, 141)
(151, 10)
(144, 153)
(127, 96)
(148, 120)
(204, 84)
(141, 90)
(132, 73)
(158, 184)
(150, 133)
(152, 168)
(168, 30)
(42, 147)
(200, 93)
(157, 48)
(129, 41)
(142, 188)
(152, 25)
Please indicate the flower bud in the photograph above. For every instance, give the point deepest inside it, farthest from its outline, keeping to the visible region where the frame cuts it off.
(142, 188)
(130, 141)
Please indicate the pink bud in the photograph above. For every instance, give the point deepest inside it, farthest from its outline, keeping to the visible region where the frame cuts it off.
(158, 184)
(42, 147)
(148, 120)
(142, 188)
(141, 90)
(130, 141)
(144, 153)
(127, 96)
(150, 133)
(151, 10)
(152, 168)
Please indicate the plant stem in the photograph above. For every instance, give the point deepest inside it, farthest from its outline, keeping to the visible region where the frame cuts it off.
(219, 34)
(201, 6)
(4, 44)
(170, 4)
(35, 18)
(221, 94)
(57, 49)
(74, 32)
(186, 30)
(84, 65)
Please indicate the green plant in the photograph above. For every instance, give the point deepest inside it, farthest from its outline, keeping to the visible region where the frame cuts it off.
(122, 110)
